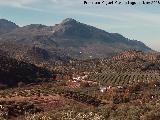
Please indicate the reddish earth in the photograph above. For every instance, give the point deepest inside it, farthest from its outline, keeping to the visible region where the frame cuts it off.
(47, 102)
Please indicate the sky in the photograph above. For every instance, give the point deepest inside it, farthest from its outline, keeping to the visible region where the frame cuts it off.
(138, 22)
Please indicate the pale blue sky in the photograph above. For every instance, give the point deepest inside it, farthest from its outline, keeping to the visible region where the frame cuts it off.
(141, 22)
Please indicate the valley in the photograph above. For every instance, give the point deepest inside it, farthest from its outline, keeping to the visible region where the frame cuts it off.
(74, 71)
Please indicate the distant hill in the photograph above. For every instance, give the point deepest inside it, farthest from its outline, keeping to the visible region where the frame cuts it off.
(127, 68)
(6, 26)
(69, 39)
(134, 61)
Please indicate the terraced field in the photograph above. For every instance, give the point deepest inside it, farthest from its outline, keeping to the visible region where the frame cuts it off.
(124, 79)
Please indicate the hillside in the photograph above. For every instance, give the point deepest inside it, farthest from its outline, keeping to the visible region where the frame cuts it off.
(6, 26)
(13, 72)
(69, 39)
(115, 88)
(129, 67)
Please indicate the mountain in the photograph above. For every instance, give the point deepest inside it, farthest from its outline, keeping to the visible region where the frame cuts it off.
(6, 26)
(91, 41)
(69, 39)
(72, 29)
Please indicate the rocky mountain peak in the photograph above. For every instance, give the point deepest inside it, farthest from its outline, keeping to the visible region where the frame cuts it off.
(69, 21)
(7, 26)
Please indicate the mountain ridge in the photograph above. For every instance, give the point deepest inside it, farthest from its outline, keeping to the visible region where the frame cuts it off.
(72, 38)
(7, 26)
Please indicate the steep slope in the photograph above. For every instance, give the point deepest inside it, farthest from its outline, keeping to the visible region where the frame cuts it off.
(6, 26)
(71, 39)
(91, 41)
(12, 72)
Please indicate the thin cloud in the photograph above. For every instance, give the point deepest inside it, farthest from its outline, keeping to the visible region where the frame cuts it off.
(102, 15)
(24, 4)
(143, 17)
(17, 3)
(65, 3)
